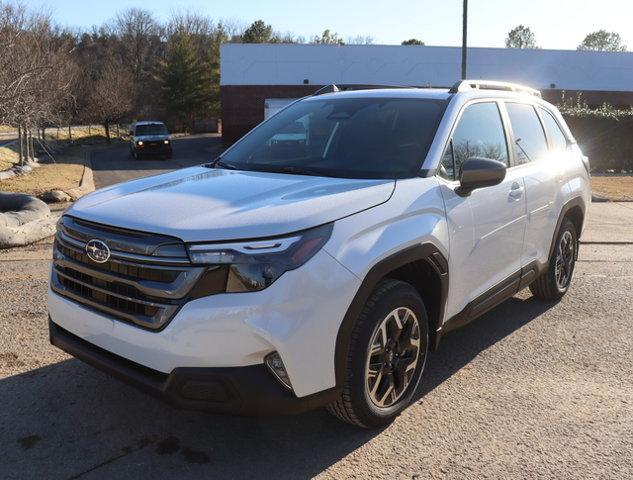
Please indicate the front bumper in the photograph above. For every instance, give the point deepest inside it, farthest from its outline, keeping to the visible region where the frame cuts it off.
(247, 390)
(154, 149)
(298, 316)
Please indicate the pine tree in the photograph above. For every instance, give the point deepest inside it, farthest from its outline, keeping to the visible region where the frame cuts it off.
(186, 80)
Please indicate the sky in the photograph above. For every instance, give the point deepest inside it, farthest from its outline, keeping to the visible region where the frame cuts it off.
(557, 24)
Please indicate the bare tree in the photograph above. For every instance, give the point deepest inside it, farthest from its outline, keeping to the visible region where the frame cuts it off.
(35, 72)
(328, 38)
(112, 96)
(360, 40)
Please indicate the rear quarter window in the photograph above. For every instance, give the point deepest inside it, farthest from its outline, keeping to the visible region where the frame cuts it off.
(557, 138)
(529, 136)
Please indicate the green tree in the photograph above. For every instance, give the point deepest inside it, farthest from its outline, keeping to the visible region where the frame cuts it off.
(258, 32)
(413, 41)
(521, 37)
(603, 40)
(328, 38)
(186, 79)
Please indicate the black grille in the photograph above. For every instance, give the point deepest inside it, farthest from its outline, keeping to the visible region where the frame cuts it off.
(120, 304)
(122, 269)
(146, 288)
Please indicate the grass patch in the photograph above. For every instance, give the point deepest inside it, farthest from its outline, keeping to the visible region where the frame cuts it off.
(63, 175)
(52, 176)
(616, 188)
(8, 156)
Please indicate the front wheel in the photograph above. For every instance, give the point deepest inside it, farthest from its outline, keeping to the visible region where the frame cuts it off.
(554, 283)
(386, 357)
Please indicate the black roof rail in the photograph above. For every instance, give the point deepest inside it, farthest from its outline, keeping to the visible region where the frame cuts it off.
(465, 85)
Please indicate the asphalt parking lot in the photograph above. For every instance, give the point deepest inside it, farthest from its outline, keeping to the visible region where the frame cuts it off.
(116, 164)
(531, 390)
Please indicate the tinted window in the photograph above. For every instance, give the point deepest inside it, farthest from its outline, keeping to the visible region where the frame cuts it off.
(479, 133)
(529, 136)
(151, 129)
(557, 137)
(343, 137)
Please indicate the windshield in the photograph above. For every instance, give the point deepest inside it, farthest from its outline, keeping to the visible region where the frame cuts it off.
(344, 137)
(151, 129)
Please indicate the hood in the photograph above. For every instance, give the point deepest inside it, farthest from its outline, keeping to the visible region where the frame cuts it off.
(202, 204)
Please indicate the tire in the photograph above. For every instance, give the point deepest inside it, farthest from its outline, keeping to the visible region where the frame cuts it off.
(552, 284)
(357, 404)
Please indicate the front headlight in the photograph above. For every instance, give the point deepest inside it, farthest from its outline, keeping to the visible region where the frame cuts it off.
(254, 265)
(166, 142)
(140, 143)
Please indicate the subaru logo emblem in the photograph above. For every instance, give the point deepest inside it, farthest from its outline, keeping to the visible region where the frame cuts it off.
(97, 251)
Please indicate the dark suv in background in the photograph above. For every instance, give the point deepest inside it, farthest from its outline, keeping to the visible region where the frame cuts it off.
(148, 138)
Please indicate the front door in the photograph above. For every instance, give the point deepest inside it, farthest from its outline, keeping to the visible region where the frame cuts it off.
(486, 228)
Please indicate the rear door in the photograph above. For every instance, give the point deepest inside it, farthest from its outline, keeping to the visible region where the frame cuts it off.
(541, 165)
(486, 228)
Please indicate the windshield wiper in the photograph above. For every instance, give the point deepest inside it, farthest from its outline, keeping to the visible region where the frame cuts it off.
(218, 163)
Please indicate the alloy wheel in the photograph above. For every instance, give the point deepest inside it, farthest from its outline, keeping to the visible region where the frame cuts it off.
(392, 357)
(564, 260)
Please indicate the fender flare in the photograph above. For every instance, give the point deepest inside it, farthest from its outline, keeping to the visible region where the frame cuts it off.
(574, 202)
(427, 252)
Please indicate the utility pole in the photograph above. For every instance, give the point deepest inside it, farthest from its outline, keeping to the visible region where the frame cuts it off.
(464, 38)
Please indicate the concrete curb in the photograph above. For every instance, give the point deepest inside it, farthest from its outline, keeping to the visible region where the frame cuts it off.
(87, 182)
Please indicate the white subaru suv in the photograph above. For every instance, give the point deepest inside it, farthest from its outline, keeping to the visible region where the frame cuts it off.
(320, 258)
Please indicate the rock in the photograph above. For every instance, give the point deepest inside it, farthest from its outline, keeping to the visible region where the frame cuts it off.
(55, 196)
(23, 220)
(22, 169)
(16, 209)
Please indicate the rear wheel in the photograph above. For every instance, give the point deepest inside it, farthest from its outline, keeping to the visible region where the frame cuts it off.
(386, 357)
(555, 282)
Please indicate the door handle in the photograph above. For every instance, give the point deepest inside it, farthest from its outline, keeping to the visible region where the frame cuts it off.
(516, 190)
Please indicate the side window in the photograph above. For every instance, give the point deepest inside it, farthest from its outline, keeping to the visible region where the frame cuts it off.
(559, 141)
(479, 133)
(529, 136)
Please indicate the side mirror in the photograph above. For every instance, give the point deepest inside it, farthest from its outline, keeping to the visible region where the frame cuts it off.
(478, 172)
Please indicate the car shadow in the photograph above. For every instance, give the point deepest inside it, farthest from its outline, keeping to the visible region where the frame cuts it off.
(459, 347)
(67, 420)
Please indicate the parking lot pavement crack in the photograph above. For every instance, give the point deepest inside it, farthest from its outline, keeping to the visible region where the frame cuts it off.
(126, 451)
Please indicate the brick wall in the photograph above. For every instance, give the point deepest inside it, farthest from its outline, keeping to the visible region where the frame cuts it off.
(243, 105)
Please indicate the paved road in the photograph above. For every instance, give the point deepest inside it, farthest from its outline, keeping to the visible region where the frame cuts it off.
(116, 165)
(532, 390)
